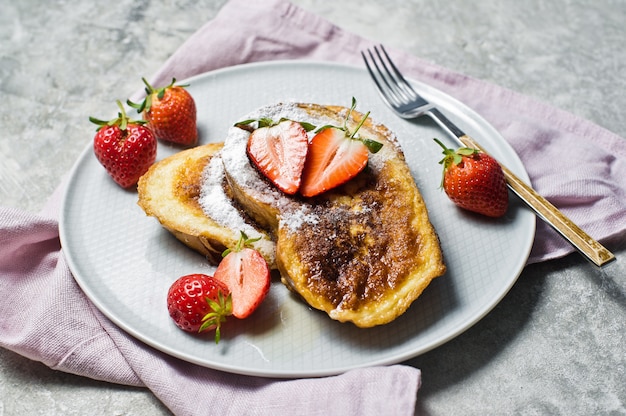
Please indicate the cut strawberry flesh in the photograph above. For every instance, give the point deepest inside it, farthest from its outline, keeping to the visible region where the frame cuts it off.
(333, 159)
(247, 276)
(279, 153)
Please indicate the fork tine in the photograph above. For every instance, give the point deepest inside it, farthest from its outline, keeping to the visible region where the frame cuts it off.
(391, 90)
(400, 81)
(392, 86)
(379, 79)
(390, 80)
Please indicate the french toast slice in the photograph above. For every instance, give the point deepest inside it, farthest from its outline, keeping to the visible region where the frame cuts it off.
(174, 191)
(362, 252)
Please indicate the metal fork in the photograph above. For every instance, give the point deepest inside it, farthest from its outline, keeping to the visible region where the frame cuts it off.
(398, 94)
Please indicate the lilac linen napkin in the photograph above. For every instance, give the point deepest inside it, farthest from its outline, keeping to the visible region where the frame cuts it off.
(44, 316)
(66, 332)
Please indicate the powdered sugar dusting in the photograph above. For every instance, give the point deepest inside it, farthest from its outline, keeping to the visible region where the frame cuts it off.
(295, 219)
(216, 204)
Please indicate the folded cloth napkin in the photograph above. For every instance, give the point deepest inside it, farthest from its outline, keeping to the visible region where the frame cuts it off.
(46, 317)
(62, 329)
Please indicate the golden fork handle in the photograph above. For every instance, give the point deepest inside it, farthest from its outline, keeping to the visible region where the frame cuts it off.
(589, 247)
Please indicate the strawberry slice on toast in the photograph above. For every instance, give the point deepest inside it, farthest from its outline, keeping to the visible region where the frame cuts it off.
(335, 156)
(247, 275)
(279, 150)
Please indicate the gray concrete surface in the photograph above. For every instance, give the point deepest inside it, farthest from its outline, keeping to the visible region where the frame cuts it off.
(556, 344)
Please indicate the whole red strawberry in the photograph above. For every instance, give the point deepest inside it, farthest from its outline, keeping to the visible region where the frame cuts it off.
(170, 112)
(198, 303)
(124, 147)
(246, 273)
(473, 180)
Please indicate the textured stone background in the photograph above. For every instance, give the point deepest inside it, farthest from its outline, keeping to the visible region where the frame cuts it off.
(557, 342)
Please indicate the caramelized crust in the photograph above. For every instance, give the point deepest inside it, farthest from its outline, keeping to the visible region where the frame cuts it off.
(366, 257)
(361, 246)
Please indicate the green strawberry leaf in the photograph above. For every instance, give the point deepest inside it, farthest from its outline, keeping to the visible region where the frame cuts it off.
(372, 145)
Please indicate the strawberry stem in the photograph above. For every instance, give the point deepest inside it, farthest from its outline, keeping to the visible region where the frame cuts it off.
(345, 121)
(372, 145)
(150, 91)
(243, 242)
(220, 310)
(360, 124)
(122, 120)
(123, 116)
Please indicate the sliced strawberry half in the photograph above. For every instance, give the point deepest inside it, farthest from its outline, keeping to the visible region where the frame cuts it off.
(247, 275)
(333, 160)
(279, 151)
(335, 156)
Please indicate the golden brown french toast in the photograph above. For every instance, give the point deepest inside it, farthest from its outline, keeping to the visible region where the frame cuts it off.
(174, 192)
(362, 252)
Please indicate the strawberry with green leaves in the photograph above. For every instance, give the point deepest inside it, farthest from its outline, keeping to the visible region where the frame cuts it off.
(278, 150)
(126, 148)
(170, 112)
(247, 275)
(199, 303)
(474, 181)
(335, 156)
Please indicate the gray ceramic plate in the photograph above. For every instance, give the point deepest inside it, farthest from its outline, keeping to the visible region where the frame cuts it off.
(125, 262)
